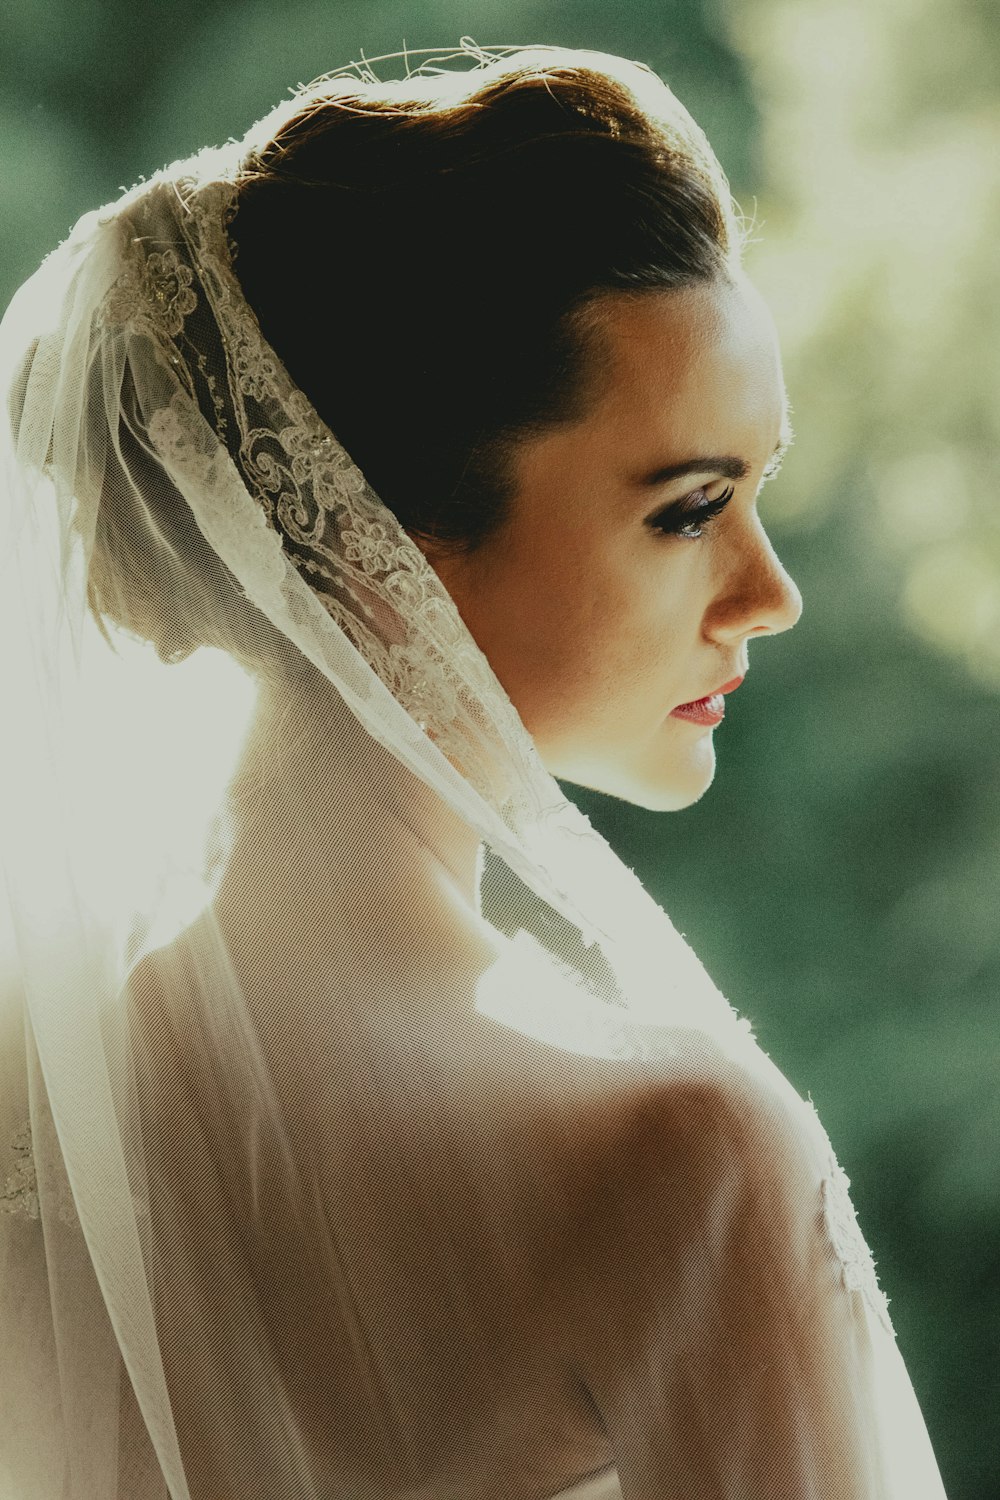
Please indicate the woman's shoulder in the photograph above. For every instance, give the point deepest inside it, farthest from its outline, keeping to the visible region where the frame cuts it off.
(688, 1157)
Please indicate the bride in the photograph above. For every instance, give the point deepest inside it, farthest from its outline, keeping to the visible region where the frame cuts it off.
(369, 1131)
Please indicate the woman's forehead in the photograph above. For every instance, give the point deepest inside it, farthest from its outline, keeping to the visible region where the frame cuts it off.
(690, 361)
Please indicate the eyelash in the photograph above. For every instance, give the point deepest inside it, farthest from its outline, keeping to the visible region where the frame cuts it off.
(676, 518)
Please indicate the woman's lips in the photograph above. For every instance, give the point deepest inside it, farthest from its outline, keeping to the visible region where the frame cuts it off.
(703, 711)
(710, 710)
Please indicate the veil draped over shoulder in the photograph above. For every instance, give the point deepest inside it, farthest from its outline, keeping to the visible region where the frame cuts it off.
(330, 1031)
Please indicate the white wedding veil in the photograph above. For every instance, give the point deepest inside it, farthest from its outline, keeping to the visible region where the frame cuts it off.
(318, 998)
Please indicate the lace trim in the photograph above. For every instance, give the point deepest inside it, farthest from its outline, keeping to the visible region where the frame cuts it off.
(366, 571)
(19, 1194)
(857, 1264)
(154, 293)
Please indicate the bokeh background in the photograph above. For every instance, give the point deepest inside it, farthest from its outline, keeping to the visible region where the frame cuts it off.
(840, 880)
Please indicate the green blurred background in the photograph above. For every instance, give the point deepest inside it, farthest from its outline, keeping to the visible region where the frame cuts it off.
(840, 880)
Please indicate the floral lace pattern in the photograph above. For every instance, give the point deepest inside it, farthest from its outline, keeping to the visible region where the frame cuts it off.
(154, 292)
(368, 574)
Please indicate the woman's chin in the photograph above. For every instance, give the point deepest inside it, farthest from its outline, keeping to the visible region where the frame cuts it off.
(672, 797)
(667, 783)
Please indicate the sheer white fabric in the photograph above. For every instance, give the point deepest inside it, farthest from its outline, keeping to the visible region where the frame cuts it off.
(341, 1061)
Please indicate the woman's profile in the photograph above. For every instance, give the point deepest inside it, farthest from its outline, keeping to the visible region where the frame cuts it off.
(367, 1129)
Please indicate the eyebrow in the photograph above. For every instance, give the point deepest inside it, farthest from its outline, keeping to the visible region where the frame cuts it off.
(728, 467)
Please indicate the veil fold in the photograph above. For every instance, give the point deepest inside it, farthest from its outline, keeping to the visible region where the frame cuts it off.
(314, 987)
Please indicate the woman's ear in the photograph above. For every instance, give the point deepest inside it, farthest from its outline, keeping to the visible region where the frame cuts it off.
(447, 561)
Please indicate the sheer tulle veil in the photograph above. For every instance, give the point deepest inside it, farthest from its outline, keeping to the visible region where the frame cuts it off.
(245, 733)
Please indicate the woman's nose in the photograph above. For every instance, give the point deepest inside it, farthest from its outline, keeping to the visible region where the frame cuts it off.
(759, 596)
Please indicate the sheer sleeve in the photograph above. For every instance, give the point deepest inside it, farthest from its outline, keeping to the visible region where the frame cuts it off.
(743, 1347)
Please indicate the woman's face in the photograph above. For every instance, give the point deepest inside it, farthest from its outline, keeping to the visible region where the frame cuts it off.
(617, 593)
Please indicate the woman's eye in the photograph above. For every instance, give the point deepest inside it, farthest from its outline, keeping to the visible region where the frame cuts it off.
(687, 520)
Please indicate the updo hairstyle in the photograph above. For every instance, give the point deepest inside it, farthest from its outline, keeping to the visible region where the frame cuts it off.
(428, 256)
(425, 256)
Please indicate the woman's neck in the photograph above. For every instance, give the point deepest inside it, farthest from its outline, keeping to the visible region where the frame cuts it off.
(314, 786)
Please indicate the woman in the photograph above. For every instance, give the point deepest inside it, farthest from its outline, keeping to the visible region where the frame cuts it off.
(372, 1132)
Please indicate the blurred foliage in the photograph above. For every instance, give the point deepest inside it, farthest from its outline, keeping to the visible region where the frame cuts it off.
(883, 175)
(854, 914)
(840, 879)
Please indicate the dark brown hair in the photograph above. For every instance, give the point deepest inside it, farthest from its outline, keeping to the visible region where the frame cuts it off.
(424, 256)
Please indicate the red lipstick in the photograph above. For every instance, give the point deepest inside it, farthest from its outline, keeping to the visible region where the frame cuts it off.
(709, 710)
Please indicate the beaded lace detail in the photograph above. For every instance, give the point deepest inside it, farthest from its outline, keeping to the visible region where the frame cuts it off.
(19, 1196)
(154, 293)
